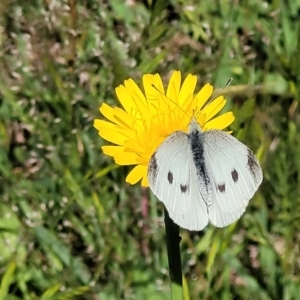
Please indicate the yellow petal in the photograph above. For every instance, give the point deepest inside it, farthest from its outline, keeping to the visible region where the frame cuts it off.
(203, 95)
(174, 86)
(153, 87)
(125, 98)
(100, 124)
(107, 112)
(136, 174)
(112, 136)
(142, 111)
(126, 158)
(117, 134)
(157, 82)
(188, 88)
(189, 107)
(123, 118)
(134, 145)
(157, 101)
(214, 107)
(112, 150)
(145, 182)
(221, 122)
(135, 90)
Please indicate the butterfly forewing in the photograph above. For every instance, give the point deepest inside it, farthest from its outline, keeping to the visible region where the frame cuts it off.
(169, 173)
(235, 174)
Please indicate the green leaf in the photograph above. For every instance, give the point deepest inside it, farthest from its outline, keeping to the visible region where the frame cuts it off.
(7, 279)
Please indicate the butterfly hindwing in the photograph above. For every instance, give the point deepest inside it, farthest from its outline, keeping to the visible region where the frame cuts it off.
(196, 218)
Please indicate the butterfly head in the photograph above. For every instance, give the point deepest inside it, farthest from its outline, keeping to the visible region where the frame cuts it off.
(194, 124)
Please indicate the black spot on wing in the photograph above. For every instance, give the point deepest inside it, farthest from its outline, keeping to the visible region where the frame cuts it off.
(221, 188)
(170, 177)
(184, 188)
(234, 175)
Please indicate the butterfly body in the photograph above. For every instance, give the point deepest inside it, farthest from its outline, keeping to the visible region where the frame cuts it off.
(196, 140)
(203, 177)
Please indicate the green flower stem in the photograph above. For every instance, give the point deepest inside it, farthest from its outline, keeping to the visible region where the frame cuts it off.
(173, 246)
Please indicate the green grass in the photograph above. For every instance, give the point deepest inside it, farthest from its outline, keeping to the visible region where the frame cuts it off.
(70, 228)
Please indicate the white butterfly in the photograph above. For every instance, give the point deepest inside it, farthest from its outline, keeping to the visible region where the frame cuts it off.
(204, 176)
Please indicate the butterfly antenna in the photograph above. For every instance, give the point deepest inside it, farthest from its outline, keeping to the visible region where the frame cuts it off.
(213, 97)
(169, 98)
(227, 83)
(219, 92)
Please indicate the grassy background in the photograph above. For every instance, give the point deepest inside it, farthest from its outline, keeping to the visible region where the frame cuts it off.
(70, 228)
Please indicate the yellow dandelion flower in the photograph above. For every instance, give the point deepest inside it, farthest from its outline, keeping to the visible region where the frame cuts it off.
(146, 119)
